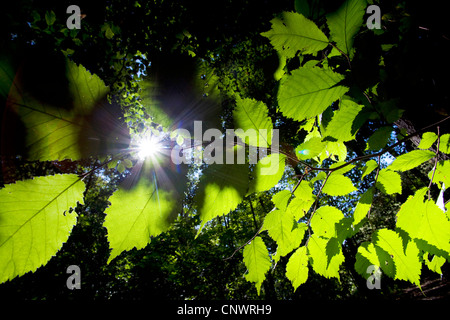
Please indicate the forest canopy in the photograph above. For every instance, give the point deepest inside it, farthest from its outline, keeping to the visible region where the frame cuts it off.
(235, 150)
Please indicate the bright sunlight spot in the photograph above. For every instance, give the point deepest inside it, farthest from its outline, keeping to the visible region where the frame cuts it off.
(148, 147)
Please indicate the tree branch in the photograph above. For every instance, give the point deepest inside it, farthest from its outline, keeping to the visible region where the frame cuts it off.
(315, 207)
(235, 251)
(378, 154)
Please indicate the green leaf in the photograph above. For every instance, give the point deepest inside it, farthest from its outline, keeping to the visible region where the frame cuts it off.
(320, 176)
(297, 267)
(442, 173)
(345, 23)
(363, 206)
(279, 73)
(268, 172)
(343, 170)
(128, 163)
(307, 92)
(310, 148)
(389, 182)
(409, 217)
(428, 138)
(283, 229)
(368, 254)
(299, 207)
(34, 222)
(252, 115)
(293, 32)
(137, 214)
(302, 7)
(390, 110)
(302, 202)
(304, 191)
(121, 167)
(341, 125)
(444, 143)
(411, 160)
(281, 199)
(379, 139)
(338, 185)
(257, 261)
(279, 225)
(325, 221)
(106, 28)
(325, 264)
(368, 168)
(435, 264)
(86, 88)
(425, 221)
(50, 17)
(221, 188)
(407, 263)
(337, 149)
(59, 133)
(365, 257)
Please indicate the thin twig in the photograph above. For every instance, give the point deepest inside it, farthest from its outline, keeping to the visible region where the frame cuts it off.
(300, 180)
(375, 183)
(344, 54)
(315, 207)
(235, 251)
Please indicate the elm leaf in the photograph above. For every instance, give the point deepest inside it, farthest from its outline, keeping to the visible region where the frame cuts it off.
(34, 222)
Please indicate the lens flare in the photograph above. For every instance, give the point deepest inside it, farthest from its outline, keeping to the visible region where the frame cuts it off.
(148, 147)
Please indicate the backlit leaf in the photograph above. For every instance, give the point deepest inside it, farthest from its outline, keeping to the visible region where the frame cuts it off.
(284, 230)
(293, 32)
(345, 23)
(54, 133)
(253, 115)
(379, 139)
(279, 224)
(368, 168)
(297, 267)
(320, 260)
(299, 207)
(442, 173)
(34, 222)
(147, 213)
(389, 182)
(307, 92)
(338, 185)
(268, 171)
(426, 221)
(325, 220)
(444, 143)
(310, 148)
(370, 255)
(257, 261)
(281, 199)
(407, 263)
(363, 206)
(341, 125)
(221, 188)
(435, 264)
(409, 216)
(428, 138)
(411, 160)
